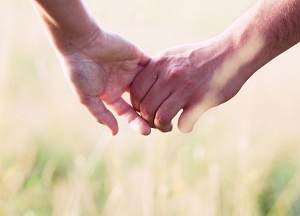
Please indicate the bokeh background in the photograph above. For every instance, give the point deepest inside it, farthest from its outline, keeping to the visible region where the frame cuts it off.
(242, 159)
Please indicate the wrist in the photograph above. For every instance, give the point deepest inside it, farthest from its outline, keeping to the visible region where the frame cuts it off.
(68, 23)
(66, 43)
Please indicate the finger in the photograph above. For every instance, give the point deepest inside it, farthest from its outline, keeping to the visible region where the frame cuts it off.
(166, 112)
(143, 62)
(145, 59)
(152, 101)
(128, 114)
(141, 85)
(192, 113)
(99, 111)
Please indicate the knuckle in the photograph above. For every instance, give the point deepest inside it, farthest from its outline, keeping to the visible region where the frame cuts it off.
(135, 92)
(162, 119)
(175, 74)
(146, 111)
(161, 60)
(166, 129)
(135, 97)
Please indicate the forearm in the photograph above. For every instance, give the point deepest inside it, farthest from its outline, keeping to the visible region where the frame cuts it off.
(268, 29)
(67, 22)
(199, 76)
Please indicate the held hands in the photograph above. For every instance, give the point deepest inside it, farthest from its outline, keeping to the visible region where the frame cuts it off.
(192, 77)
(101, 66)
(189, 77)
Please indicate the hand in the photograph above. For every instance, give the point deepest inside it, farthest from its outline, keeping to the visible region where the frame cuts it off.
(192, 77)
(100, 67)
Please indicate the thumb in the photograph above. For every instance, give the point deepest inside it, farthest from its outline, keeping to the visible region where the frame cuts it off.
(191, 114)
(144, 59)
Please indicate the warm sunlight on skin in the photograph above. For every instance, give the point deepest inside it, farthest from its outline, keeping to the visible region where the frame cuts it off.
(242, 159)
(196, 77)
(231, 67)
(99, 65)
(224, 77)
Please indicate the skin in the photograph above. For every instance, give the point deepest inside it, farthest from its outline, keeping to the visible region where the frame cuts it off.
(197, 77)
(99, 66)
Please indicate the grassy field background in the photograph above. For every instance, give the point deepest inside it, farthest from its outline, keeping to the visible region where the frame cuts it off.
(242, 159)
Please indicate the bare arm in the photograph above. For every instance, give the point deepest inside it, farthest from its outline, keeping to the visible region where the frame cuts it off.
(275, 24)
(66, 22)
(99, 66)
(199, 76)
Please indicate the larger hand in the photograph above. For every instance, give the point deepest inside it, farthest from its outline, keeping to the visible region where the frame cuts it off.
(199, 76)
(192, 77)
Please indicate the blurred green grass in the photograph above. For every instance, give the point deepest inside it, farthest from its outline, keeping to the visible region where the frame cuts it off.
(241, 159)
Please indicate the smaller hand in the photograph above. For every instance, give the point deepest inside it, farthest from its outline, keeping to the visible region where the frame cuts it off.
(100, 68)
(190, 77)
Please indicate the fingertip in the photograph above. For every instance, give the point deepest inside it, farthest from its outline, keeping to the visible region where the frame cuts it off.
(140, 126)
(98, 110)
(114, 132)
(185, 128)
(187, 121)
(171, 128)
(145, 59)
(129, 115)
(166, 129)
(112, 124)
(146, 132)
